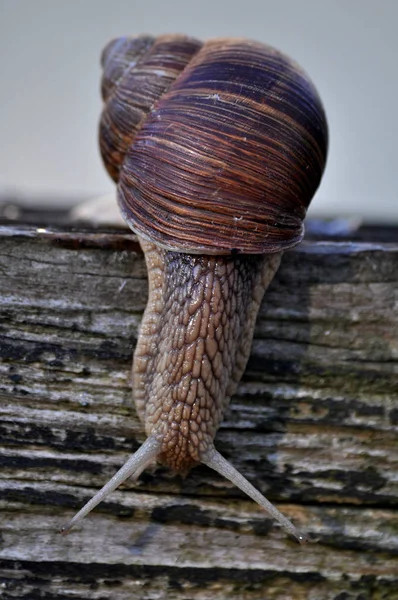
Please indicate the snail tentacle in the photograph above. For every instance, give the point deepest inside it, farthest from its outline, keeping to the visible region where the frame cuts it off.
(213, 459)
(133, 467)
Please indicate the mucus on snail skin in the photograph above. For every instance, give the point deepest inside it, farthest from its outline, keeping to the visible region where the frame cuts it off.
(215, 191)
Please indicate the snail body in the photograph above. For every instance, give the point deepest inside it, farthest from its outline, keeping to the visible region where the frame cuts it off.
(217, 150)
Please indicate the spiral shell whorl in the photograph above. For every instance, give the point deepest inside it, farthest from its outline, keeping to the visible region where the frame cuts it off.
(137, 72)
(119, 55)
(228, 152)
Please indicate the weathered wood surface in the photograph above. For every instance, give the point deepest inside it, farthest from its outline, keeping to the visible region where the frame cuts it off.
(313, 425)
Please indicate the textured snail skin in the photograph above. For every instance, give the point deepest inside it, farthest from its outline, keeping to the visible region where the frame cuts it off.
(194, 344)
(217, 150)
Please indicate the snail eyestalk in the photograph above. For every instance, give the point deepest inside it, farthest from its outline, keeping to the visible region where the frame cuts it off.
(216, 461)
(134, 466)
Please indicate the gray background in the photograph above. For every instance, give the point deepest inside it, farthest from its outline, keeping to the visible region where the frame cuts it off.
(49, 73)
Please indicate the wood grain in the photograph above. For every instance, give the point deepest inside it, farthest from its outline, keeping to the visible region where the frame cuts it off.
(313, 425)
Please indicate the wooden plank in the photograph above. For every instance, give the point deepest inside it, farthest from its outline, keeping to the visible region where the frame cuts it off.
(313, 425)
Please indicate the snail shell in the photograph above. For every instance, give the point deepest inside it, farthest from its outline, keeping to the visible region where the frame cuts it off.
(232, 129)
(217, 149)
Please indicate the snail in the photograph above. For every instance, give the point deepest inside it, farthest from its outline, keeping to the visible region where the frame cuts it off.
(217, 149)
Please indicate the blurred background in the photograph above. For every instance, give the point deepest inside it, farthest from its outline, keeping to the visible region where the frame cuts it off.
(50, 74)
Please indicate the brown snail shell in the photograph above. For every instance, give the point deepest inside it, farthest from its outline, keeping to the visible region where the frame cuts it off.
(217, 149)
(234, 130)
